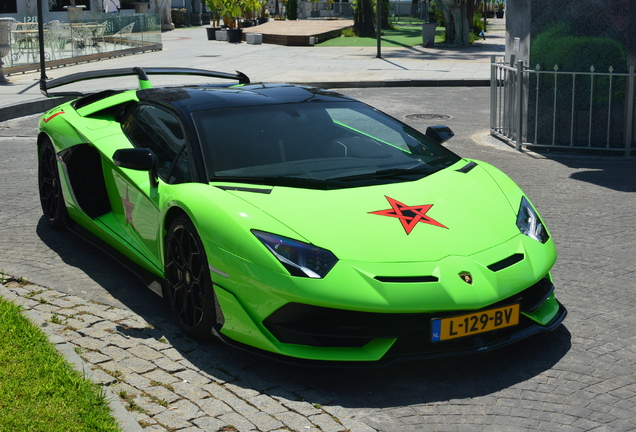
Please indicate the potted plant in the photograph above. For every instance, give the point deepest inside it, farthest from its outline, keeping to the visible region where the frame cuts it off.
(232, 11)
(215, 7)
(263, 16)
(500, 8)
(490, 8)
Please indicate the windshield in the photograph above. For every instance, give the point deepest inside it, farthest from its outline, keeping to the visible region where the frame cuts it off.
(315, 142)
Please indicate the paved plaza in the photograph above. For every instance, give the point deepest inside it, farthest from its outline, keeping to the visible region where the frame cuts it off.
(581, 377)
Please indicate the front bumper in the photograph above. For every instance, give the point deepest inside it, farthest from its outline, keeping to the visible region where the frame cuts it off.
(306, 334)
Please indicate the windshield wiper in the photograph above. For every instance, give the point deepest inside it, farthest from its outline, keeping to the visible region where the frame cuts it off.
(391, 172)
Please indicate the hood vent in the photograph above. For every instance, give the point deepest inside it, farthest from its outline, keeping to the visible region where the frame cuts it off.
(466, 168)
(505, 263)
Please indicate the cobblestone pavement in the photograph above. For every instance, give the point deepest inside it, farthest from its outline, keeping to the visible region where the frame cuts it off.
(581, 377)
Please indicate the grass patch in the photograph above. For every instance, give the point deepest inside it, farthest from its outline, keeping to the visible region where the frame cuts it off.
(39, 391)
(406, 37)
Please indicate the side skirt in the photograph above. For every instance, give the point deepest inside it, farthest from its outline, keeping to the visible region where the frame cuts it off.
(149, 279)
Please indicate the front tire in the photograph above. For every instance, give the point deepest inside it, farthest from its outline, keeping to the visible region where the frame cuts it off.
(50, 188)
(188, 283)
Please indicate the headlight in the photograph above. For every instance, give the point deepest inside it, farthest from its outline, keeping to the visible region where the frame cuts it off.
(300, 259)
(529, 223)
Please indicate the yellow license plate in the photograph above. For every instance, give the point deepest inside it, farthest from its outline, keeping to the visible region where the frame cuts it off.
(474, 323)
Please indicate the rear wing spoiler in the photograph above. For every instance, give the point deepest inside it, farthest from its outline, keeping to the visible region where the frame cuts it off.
(142, 74)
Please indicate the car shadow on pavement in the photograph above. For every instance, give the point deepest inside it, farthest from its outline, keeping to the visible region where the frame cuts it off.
(392, 386)
(616, 173)
(428, 381)
(106, 274)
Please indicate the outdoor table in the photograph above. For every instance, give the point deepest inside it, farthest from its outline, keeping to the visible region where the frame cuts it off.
(27, 43)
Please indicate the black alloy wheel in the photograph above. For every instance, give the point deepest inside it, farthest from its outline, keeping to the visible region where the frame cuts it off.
(51, 197)
(188, 282)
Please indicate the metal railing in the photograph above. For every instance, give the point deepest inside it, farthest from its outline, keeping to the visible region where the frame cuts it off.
(590, 111)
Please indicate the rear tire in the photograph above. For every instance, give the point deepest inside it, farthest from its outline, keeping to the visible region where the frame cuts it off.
(188, 283)
(51, 197)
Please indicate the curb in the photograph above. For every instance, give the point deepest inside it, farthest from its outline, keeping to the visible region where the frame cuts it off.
(36, 106)
(125, 421)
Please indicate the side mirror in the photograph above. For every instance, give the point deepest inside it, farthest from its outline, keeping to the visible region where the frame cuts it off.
(139, 159)
(439, 133)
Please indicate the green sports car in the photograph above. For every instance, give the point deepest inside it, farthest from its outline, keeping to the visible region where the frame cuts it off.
(297, 222)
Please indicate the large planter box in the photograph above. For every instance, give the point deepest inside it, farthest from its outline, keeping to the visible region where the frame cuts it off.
(212, 32)
(221, 35)
(234, 35)
(428, 34)
(254, 38)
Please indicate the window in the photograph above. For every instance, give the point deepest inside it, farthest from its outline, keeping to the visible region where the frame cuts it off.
(159, 130)
(8, 6)
(58, 5)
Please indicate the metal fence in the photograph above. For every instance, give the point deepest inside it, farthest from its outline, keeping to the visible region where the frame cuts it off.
(589, 111)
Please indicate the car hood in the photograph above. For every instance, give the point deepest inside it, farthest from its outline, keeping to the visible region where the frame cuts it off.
(447, 213)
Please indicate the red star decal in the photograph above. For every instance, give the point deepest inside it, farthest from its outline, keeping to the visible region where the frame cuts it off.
(128, 208)
(409, 216)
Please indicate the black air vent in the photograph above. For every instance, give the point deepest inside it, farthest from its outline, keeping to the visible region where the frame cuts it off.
(406, 279)
(466, 168)
(505, 263)
(245, 189)
(85, 101)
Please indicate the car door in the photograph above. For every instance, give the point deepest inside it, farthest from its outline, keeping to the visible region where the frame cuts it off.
(137, 212)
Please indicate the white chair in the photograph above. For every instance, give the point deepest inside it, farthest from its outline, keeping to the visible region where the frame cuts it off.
(98, 36)
(123, 34)
(81, 37)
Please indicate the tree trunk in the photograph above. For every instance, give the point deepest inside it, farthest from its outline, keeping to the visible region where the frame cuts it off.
(385, 15)
(363, 19)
